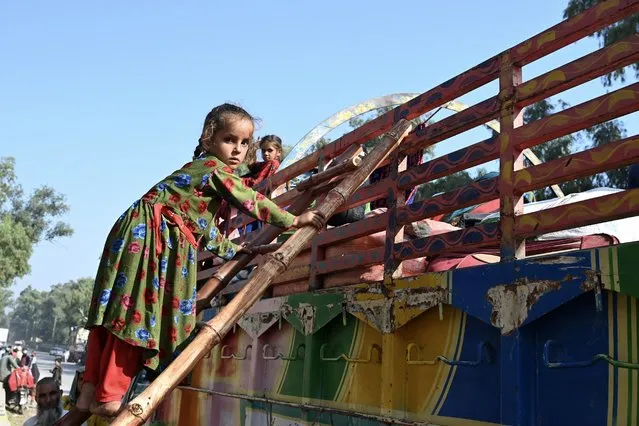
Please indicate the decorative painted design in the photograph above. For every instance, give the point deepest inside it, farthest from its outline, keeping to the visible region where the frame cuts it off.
(584, 69)
(449, 90)
(406, 385)
(597, 17)
(623, 329)
(481, 152)
(608, 207)
(471, 117)
(614, 104)
(617, 266)
(477, 236)
(591, 161)
(468, 195)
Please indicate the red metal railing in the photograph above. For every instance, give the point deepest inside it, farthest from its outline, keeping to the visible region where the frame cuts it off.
(513, 180)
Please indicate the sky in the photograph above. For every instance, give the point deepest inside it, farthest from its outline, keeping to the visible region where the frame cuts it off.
(101, 100)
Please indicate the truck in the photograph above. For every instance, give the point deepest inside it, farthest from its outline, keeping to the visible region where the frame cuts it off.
(514, 313)
(4, 335)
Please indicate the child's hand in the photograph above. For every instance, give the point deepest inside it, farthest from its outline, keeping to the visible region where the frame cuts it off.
(245, 249)
(310, 218)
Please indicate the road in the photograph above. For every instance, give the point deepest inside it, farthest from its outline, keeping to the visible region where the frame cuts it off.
(45, 364)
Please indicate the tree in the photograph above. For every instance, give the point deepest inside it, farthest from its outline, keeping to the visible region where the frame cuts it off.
(609, 35)
(597, 135)
(49, 315)
(70, 302)
(15, 251)
(6, 297)
(600, 135)
(25, 316)
(25, 221)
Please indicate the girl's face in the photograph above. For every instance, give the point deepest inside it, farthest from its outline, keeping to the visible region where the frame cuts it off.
(231, 143)
(271, 152)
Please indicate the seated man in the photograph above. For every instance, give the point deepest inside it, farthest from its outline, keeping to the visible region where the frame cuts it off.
(48, 396)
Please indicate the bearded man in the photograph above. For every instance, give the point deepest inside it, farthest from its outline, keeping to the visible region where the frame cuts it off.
(49, 399)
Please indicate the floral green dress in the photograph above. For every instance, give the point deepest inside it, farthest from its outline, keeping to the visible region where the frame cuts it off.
(146, 283)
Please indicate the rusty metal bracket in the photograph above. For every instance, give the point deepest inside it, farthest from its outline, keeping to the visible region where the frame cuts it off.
(266, 348)
(343, 356)
(484, 356)
(224, 355)
(581, 364)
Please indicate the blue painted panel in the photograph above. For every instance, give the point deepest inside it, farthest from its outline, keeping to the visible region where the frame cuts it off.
(568, 396)
(474, 392)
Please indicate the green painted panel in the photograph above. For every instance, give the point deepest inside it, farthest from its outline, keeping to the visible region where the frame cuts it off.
(627, 257)
(325, 377)
(310, 312)
(321, 379)
(293, 384)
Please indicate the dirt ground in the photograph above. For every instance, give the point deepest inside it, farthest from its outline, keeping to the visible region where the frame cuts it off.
(17, 419)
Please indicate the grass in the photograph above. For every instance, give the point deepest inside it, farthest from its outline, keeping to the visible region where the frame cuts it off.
(17, 419)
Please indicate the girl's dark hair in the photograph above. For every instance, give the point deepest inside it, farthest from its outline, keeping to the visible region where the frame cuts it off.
(216, 120)
(251, 154)
(272, 140)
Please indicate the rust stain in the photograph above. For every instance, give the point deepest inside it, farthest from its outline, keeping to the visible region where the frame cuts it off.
(512, 302)
(592, 281)
(424, 298)
(306, 314)
(382, 312)
(558, 260)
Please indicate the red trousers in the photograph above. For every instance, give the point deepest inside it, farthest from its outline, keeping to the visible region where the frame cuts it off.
(111, 364)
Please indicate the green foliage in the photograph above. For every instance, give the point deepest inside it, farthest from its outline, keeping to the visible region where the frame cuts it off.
(600, 135)
(595, 136)
(15, 251)
(25, 221)
(49, 315)
(24, 319)
(609, 35)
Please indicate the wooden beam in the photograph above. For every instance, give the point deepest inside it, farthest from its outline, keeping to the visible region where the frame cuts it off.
(596, 64)
(606, 107)
(581, 213)
(614, 154)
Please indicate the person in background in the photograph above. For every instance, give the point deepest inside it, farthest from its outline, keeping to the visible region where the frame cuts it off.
(35, 371)
(8, 363)
(19, 353)
(271, 147)
(25, 361)
(57, 371)
(48, 396)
